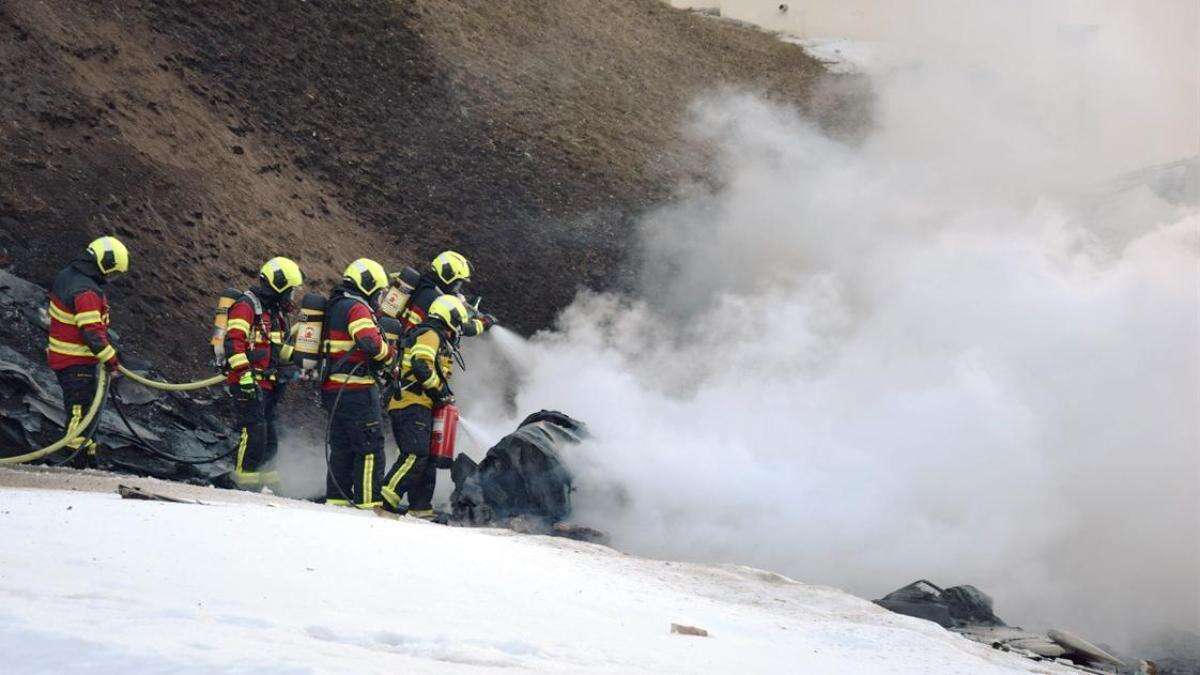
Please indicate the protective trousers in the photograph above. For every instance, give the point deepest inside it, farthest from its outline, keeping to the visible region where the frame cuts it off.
(413, 473)
(356, 459)
(258, 441)
(78, 389)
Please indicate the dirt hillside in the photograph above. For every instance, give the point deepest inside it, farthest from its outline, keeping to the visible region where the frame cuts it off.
(211, 135)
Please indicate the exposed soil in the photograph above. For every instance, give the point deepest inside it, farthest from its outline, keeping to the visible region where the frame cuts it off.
(211, 135)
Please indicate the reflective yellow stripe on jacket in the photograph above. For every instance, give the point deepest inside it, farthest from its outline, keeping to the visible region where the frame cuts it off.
(60, 347)
(360, 325)
(86, 318)
(351, 379)
(59, 315)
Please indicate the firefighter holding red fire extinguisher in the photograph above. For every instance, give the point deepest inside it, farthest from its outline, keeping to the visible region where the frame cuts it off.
(420, 402)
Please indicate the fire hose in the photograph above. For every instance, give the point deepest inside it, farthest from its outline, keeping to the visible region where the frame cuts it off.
(72, 433)
(171, 386)
(337, 400)
(102, 383)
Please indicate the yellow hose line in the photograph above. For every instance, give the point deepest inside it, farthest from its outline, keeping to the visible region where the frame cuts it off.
(97, 400)
(170, 386)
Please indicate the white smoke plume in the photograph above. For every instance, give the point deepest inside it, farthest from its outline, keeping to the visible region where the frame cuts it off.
(951, 351)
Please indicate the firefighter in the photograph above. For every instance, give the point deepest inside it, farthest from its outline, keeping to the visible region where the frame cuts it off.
(255, 351)
(355, 351)
(447, 275)
(79, 332)
(423, 385)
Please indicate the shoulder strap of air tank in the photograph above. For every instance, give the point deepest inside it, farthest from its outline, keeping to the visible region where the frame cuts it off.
(255, 303)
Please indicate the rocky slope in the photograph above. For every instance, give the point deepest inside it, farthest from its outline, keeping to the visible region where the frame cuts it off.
(529, 135)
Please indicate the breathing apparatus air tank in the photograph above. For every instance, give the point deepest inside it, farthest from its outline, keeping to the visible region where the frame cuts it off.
(220, 321)
(309, 333)
(445, 433)
(399, 290)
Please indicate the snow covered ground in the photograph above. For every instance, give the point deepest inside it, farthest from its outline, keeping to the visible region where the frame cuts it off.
(90, 582)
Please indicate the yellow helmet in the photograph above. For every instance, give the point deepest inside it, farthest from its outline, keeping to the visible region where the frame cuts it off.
(451, 268)
(366, 275)
(281, 274)
(451, 310)
(111, 255)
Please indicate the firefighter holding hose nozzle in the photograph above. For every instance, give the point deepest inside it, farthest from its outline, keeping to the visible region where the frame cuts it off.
(447, 275)
(355, 350)
(254, 347)
(422, 397)
(79, 318)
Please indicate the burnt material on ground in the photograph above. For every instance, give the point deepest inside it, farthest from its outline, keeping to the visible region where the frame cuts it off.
(31, 409)
(968, 611)
(522, 482)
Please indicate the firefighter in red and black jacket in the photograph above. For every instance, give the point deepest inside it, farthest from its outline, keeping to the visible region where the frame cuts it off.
(355, 351)
(79, 331)
(447, 275)
(255, 347)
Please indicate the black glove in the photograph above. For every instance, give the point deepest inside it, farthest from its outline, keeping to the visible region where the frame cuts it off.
(488, 320)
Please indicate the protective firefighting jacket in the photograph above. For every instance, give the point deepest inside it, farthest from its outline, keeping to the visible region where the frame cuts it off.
(425, 369)
(352, 338)
(79, 319)
(422, 297)
(254, 339)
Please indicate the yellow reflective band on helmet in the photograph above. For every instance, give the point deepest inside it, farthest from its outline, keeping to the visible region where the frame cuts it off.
(281, 273)
(107, 353)
(451, 310)
(367, 275)
(59, 315)
(86, 318)
(59, 347)
(351, 379)
(238, 324)
(451, 266)
(110, 254)
(360, 325)
(238, 361)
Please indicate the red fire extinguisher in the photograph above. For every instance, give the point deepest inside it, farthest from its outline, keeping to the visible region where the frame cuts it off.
(445, 432)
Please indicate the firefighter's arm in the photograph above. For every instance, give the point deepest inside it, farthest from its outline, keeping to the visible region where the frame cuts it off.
(424, 361)
(478, 324)
(88, 318)
(237, 336)
(365, 333)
